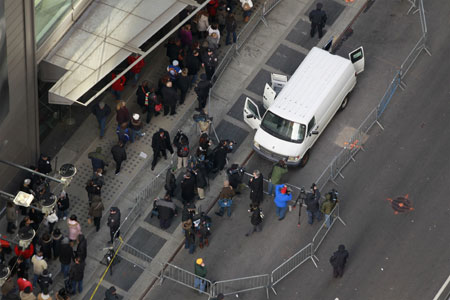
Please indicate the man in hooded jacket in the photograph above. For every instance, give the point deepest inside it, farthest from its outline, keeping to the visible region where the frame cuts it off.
(338, 261)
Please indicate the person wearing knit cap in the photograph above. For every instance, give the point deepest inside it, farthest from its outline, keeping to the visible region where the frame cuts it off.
(200, 272)
(282, 197)
(136, 127)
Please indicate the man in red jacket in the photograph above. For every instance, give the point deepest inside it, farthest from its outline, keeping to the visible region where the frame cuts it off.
(117, 86)
(137, 68)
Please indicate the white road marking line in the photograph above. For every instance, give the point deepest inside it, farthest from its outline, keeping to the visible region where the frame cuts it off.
(442, 288)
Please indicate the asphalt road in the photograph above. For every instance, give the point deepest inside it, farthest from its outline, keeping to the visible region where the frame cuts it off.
(392, 256)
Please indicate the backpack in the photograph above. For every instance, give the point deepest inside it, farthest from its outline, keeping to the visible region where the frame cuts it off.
(183, 151)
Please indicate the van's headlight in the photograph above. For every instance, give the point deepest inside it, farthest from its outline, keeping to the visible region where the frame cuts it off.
(294, 158)
(256, 144)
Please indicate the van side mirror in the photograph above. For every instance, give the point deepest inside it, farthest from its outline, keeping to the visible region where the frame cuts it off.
(250, 116)
(313, 132)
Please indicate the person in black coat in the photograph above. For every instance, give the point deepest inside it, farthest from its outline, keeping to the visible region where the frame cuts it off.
(147, 99)
(210, 62)
(141, 91)
(166, 211)
(200, 179)
(44, 165)
(235, 176)
(338, 261)
(46, 246)
(65, 256)
(173, 48)
(76, 275)
(82, 247)
(101, 111)
(119, 155)
(318, 19)
(170, 98)
(171, 182)
(183, 84)
(202, 91)
(255, 219)
(220, 154)
(56, 244)
(63, 204)
(313, 205)
(44, 280)
(114, 223)
(194, 65)
(18, 265)
(188, 188)
(256, 185)
(160, 143)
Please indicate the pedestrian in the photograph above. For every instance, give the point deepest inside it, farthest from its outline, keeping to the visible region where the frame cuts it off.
(114, 223)
(256, 219)
(231, 25)
(181, 142)
(56, 242)
(44, 295)
(122, 113)
(210, 62)
(98, 159)
(92, 190)
(44, 165)
(202, 91)
(65, 256)
(213, 41)
(74, 228)
(203, 230)
(166, 211)
(186, 36)
(62, 294)
(11, 217)
(278, 170)
(136, 127)
(188, 188)
(220, 154)
(23, 282)
(222, 16)
(200, 173)
(214, 28)
(25, 253)
(76, 275)
(27, 294)
(202, 24)
(212, 9)
(173, 48)
(111, 294)
(18, 265)
(46, 244)
(256, 185)
(160, 143)
(282, 197)
(327, 207)
(63, 204)
(225, 199)
(189, 235)
(39, 265)
(119, 155)
(101, 111)
(338, 261)
(183, 84)
(98, 180)
(170, 98)
(118, 86)
(247, 6)
(142, 92)
(235, 177)
(137, 68)
(45, 280)
(123, 133)
(171, 183)
(200, 273)
(96, 211)
(318, 19)
(312, 205)
(81, 251)
(193, 64)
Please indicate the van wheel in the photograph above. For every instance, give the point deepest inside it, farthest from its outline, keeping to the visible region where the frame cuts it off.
(304, 159)
(344, 103)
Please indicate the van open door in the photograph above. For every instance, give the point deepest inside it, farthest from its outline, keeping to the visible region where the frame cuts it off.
(357, 59)
(268, 96)
(278, 81)
(251, 114)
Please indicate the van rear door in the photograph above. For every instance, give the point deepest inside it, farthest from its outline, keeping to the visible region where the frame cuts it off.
(278, 81)
(268, 96)
(251, 114)
(357, 59)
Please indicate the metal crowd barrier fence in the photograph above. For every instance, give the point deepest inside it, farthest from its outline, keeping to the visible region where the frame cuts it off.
(248, 29)
(145, 262)
(267, 7)
(241, 285)
(186, 278)
(296, 260)
(324, 229)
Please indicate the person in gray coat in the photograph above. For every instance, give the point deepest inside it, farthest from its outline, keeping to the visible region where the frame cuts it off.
(166, 211)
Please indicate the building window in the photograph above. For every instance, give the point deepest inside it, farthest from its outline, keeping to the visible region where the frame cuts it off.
(48, 14)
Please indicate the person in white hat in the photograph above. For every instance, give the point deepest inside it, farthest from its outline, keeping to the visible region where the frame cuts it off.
(136, 127)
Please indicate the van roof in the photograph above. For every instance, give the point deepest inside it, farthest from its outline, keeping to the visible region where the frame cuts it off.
(311, 82)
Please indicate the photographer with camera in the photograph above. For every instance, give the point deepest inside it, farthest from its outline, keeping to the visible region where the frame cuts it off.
(312, 204)
(328, 206)
(282, 196)
(235, 177)
(220, 154)
(181, 142)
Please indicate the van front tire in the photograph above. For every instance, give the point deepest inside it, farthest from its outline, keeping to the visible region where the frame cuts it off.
(304, 159)
(344, 103)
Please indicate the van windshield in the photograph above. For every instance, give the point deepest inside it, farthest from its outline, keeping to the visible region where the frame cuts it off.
(282, 128)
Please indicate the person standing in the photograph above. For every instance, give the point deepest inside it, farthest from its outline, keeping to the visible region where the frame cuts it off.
(225, 199)
(181, 142)
(111, 294)
(209, 63)
(63, 205)
(81, 251)
(65, 256)
(247, 6)
(123, 133)
(256, 219)
(256, 185)
(202, 24)
(200, 178)
(338, 261)
(312, 205)
(136, 127)
(27, 294)
(327, 207)
(74, 228)
(56, 242)
(119, 155)
(98, 159)
(170, 98)
(318, 19)
(44, 165)
(122, 113)
(171, 183)
(76, 275)
(101, 111)
(141, 93)
(11, 217)
(166, 211)
(282, 197)
(39, 265)
(220, 154)
(186, 36)
(231, 26)
(114, 223)
(189, 235)
(202, 91)
(44, 280)
(160, 143)
(278, 170)
(183, 84)
(188, 188)
(118, 86)
(96, 211)
(137, 68)
(193, 64)
(200, 272)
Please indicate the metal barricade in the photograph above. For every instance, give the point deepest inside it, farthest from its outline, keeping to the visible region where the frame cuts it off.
(241, 285)
(296, 260)
(267, 7)
(248, 29)
(186, 278)
(147, 263)
(323, 230)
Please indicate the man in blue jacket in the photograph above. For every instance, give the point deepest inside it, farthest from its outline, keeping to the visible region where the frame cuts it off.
(282, 197)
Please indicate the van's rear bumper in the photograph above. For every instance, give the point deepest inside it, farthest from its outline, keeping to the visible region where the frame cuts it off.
(273, 156)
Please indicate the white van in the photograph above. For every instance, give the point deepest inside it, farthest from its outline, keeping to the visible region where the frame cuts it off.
(299, 110)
